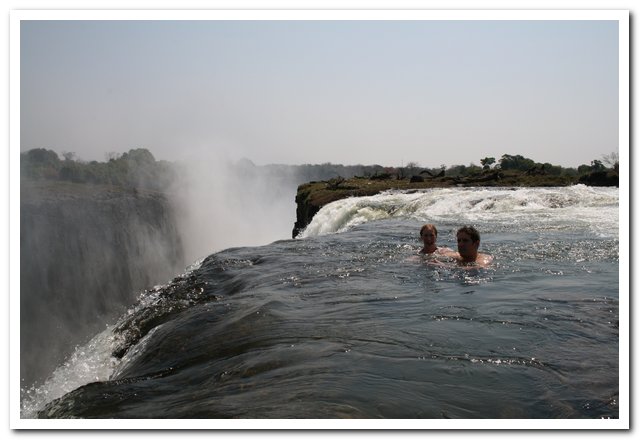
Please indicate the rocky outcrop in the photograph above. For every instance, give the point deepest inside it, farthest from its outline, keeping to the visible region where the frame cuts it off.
(305, 210)
(86, 253)
(314, 195)
(600, 178)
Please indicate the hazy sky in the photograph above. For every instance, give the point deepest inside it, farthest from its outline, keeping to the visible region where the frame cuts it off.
(350, 92)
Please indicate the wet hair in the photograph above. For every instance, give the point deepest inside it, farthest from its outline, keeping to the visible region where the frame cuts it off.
(428, 226)
(470, 231)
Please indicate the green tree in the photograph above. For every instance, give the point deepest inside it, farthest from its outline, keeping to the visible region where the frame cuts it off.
(473, 169)
(457, 170)
(487, 162)
(139, 156)
(554, 170)
(584, 169)
(517, 162)
(596, 165)
(40, 163)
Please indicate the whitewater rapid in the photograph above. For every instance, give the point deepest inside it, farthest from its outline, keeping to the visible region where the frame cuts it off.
(516, 207)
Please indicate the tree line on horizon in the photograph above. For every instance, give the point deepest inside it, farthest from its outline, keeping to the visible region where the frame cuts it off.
(134, 169)
(520, 163)
(139, 169)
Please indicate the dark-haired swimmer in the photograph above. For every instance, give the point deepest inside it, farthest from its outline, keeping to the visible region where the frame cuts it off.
(429, 235)
(468, 243)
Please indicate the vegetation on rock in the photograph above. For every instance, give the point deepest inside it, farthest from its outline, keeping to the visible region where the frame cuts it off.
(509, 171)
(135, 169)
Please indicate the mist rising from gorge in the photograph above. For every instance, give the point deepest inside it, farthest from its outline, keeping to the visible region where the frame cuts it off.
(95, 236)
(221, 204)
(86, 253)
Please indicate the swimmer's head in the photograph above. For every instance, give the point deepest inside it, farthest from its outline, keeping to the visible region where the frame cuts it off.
(428, 227)
(470, 231)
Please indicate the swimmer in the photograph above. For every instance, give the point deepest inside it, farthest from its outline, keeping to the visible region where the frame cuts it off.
(429, 235)
(468, 244)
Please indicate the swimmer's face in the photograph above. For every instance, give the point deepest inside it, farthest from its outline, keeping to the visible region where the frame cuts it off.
(428, 237)
(467, 248)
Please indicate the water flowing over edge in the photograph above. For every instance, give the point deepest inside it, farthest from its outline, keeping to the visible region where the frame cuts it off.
(593, 206)
(91, 362)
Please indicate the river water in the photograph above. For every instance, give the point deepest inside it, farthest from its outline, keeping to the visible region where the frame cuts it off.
(348, 321)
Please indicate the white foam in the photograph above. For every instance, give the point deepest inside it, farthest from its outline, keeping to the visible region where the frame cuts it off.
(597, 207)
(92, 362)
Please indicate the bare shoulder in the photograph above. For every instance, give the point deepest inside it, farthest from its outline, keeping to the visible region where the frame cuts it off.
(484, 260)
(446, 252)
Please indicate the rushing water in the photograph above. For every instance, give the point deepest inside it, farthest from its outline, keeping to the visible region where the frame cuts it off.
(347, 321)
